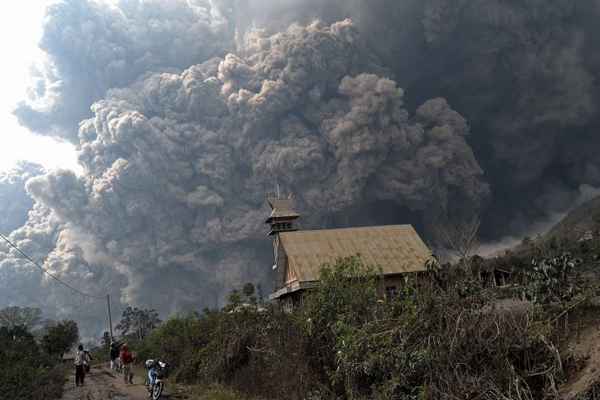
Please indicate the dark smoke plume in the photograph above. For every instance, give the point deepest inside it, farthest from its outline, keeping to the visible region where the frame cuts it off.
(178, 164)
(187, 112)
(92, 47)
(523, 73)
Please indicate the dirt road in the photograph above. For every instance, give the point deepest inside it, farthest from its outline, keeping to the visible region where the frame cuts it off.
(103, 384)
(587, 347)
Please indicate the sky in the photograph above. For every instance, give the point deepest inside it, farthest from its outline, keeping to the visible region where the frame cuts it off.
(21, 25)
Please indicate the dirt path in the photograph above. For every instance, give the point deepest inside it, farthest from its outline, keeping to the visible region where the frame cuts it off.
(588, 348)
(103, 384)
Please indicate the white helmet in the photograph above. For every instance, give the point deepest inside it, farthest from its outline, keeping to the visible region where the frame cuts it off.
(150, 363)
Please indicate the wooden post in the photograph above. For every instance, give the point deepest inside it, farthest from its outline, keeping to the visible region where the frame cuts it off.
(110, 328)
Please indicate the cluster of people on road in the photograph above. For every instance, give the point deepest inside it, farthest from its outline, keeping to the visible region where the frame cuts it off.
(121, 360)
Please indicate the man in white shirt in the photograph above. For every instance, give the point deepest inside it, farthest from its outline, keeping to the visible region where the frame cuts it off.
(82, 358)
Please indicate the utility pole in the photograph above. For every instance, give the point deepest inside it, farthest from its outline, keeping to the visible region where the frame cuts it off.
(109, 317)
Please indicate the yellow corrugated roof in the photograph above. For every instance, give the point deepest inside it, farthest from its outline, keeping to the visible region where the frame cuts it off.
(395, 248)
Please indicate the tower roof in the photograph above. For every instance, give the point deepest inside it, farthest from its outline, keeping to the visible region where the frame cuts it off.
(281, 209)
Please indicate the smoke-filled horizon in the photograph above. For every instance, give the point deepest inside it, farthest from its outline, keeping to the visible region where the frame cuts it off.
(186, 113)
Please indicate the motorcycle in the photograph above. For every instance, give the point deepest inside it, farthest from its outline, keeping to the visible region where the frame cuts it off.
(158, 370)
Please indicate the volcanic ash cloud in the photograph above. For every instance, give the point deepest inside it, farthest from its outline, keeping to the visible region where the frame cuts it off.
(15, 202)
(177, 164)
(92, 47)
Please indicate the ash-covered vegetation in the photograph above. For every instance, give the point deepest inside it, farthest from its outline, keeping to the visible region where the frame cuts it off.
(488, 329)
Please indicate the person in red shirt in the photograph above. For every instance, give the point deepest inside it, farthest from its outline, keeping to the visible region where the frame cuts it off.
(126, 360)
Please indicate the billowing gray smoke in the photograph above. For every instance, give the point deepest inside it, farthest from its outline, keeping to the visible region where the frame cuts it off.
(524, 73)
(177, 165)
(67, 253)
(93, 47)
(199, 108)
(15, 202)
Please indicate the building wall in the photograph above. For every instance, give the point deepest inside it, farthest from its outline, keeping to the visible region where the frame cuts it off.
(391, 285)
(281, 263)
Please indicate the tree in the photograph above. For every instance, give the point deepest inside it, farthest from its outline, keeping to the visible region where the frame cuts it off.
(260, 295)
(248, 289)
(19, 362)
(460, 238)
(139, 322)
(28, 317)
(345, 298)
(234, 300)
(60, 338)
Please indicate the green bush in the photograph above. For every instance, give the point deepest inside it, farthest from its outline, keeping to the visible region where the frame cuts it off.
(26, 372)
(174, 341)
(440, 338)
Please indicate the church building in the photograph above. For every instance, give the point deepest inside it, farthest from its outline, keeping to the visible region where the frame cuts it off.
(300, 254)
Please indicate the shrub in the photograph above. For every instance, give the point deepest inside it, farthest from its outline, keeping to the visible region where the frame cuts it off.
(26, 372)
(174, 341)
(442, 337)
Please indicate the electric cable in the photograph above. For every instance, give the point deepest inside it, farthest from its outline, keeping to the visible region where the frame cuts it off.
(45, 271)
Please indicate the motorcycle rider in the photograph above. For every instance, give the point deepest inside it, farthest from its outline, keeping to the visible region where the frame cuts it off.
(156, 371)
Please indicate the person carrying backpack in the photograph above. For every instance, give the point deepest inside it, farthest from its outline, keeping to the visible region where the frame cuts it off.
(86, 361)
(81, 360)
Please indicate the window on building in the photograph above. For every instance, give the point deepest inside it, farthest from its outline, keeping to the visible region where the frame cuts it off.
(391, 292)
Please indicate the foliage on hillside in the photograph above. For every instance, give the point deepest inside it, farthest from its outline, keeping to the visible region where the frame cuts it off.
(14, 316)
(30, 370)
(447, 335)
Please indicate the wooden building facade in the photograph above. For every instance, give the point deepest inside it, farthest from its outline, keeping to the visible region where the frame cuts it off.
(299, 255)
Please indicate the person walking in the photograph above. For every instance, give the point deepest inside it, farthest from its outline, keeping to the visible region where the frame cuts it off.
(81, 360)
(86, 361)
(114, 355)
(126, 362)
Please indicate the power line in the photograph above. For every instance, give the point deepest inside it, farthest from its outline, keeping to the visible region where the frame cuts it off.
(56, 278)
(45, 271)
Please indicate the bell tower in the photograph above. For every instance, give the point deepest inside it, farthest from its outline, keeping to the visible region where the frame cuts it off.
(283, 216)
(282, 219)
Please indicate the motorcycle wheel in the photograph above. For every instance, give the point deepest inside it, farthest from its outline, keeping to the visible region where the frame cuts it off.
(157, 390)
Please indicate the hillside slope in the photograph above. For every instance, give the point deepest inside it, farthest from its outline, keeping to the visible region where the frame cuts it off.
(582, 220)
